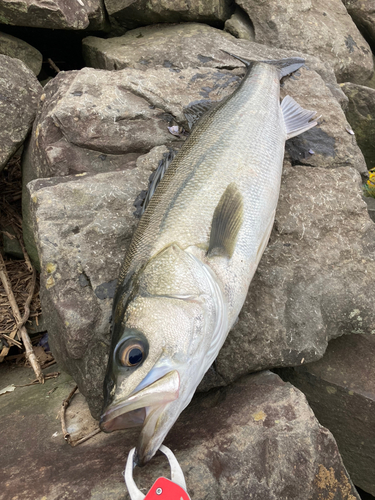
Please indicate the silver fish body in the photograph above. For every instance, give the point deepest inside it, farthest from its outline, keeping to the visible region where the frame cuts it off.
(193, 255)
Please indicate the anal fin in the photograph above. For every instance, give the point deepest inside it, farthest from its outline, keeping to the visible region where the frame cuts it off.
(297, 120)
(226, 222)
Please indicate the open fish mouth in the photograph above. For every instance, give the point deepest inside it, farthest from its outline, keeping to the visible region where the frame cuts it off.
(142, 407)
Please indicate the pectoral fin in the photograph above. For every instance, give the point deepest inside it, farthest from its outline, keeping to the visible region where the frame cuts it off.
(297, 120)
(226, 222)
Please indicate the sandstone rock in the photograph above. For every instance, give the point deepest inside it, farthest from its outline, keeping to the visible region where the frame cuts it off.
(317, 269)
(361, 116)
(82, 225)
(323, 29)
(55, 14)
(18, 49)
(257, 439)
(240, 26)
(363, 14)
(20, 92)
(341, 390)
(133, 13)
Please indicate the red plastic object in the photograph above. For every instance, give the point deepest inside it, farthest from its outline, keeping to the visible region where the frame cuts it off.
(164, 489)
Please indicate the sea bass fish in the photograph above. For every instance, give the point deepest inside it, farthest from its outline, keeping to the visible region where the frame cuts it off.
(192, 257)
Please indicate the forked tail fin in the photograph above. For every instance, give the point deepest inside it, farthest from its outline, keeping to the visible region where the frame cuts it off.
(284, 66)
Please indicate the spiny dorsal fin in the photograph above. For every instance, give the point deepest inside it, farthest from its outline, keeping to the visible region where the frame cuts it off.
(195, 110)
(144, 197)
(297, 120)
(226, 222)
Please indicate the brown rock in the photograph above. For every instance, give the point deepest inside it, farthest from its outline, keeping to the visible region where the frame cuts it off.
(20, 92)
(323, 29)
(341, 390)
(257, 439)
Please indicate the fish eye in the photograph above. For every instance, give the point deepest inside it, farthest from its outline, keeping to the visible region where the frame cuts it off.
(131, 353)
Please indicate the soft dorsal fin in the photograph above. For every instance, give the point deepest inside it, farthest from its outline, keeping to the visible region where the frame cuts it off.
(226, 222)
(144, 197)
(195, 110)
(296, 119)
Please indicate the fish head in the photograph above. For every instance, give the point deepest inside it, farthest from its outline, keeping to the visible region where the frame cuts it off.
(162, 344)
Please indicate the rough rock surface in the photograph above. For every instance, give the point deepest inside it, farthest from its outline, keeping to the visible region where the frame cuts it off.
(82, 226)
(361, 116)
(323, 29)
(341, 390)
(363, 14)
(20, 91)
(96, 121)
(314, 281)
(54, 14)
(257, 439)
(133, 13)
(187, 45)
(14, 47)
(240, 26)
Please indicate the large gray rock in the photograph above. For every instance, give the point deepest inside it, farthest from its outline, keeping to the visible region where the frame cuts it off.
(361, 116)
(82, 225)
(180, 46)
(20, 93)
(256, 440)
(14, 47)
(80, 116)
(341, 390)
(323, 29)
(314, 281)
(54, 14)
(240, 26)
(363, 14)
(133, 13)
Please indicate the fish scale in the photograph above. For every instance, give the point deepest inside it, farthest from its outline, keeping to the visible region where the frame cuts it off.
(196, 248)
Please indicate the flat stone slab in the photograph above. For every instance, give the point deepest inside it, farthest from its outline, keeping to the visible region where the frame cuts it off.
(257, 439)
(341, 390)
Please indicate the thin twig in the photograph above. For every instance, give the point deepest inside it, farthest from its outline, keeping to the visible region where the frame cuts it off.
(50, 363)
(36, 381)
(30, 355)
(65, 405)
(85, 438)
(53, 65)
(12, 341)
